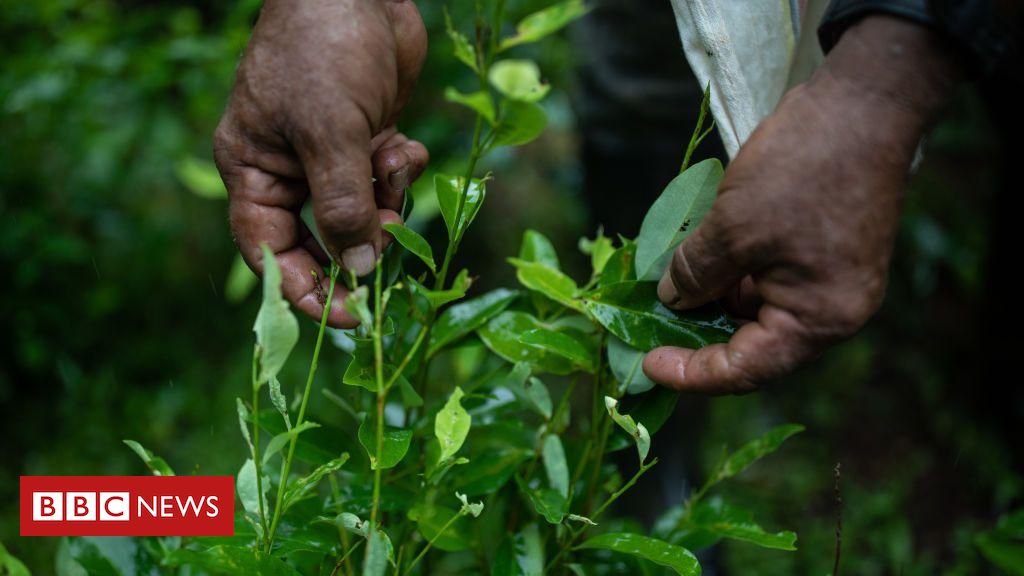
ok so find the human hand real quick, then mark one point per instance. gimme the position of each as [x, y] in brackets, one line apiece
[312, 115]
[799, 238]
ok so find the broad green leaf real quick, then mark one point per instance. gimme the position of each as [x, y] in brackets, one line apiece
[412, 242]
[240, 281]
[501, 335]
[544, 23]
[620, 266]
[396, 444]
[679, 559]
[201, 178]
[713, 519]
[463, 50]
[461, 319]
[632, 312]
[96, 556]
[11, 566]
[361, 372]
[519, 123]
[430, 519]
[675, 213]
[279, 401]
[627, 367]
[1004, 545]
[548, 502]
[637, 430]
[548, 281]
[229, 561]
[537, 248]
[452, 425]
[449, 189]
[488, 472]
[247, 492]
[563, 344]
[281, 440]
[410, 398]
[555, 465]
[529, 551]
[539, 396]
[303, 486]
[276, 328]
[518, 80]
[155, 464]
[357, 303]
[438, 298]
[243, 423]
[754, 450]
[378, 550]
[600, 250]
[479, 101]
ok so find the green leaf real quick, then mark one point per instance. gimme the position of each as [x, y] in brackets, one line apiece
[538, 395]
[412, 242]
[637, 430]
[632, 312]
[555, 465]
[452, 425]
[479, 101]
[548, 502]
[713, 519]
[243, 423]
[361, 372]
[396, 444]
[201, 178]
[679, 559]
[438, 298]
[410, 398]
[600, 250]
[378, 550]
[627, 367]
[563, 344]
[518, 80]
[544, 23]
[537, 248]
[675, 213]
[247, 492]
[501, 336]
[281, 440]
[155, 464]
[529, 551]
[754, 450]
[277, 330]
[489, 471]
[300, 488]
[357, 303]
[449, 189]
[463, 50]
[461, 319]
[520, 122]
[240, 281]
[620, 267]
[279, 401]
[548, 281]
[229, 561]
[1004, 545]
[11, 566]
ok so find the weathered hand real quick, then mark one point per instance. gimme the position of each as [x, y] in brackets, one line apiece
[799, 239]
[312, 114]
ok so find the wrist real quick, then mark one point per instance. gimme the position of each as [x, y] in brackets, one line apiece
[899, 67]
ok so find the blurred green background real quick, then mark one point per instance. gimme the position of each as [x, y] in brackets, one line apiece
[116, 324]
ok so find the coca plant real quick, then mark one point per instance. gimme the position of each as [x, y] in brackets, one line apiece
[475, 433]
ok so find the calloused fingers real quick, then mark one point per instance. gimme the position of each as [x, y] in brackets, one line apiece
[397, 163]
[263, 209]
[758, 352]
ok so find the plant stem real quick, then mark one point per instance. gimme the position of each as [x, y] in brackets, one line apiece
[426, 548]
[286, 467]
[378, 362]
[256, 442]
[344, 558]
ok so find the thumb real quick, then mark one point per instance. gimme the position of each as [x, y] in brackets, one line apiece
[702, 269]
[341, 184]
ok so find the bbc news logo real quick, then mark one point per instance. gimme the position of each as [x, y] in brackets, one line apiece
[127, 506]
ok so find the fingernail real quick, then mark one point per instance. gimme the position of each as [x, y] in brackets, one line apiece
[359, 259]
[667, 292]
[399, 179]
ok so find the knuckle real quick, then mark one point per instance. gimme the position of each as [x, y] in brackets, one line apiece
[345, 215]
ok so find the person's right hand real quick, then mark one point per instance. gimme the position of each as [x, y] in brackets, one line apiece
[312, 115]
